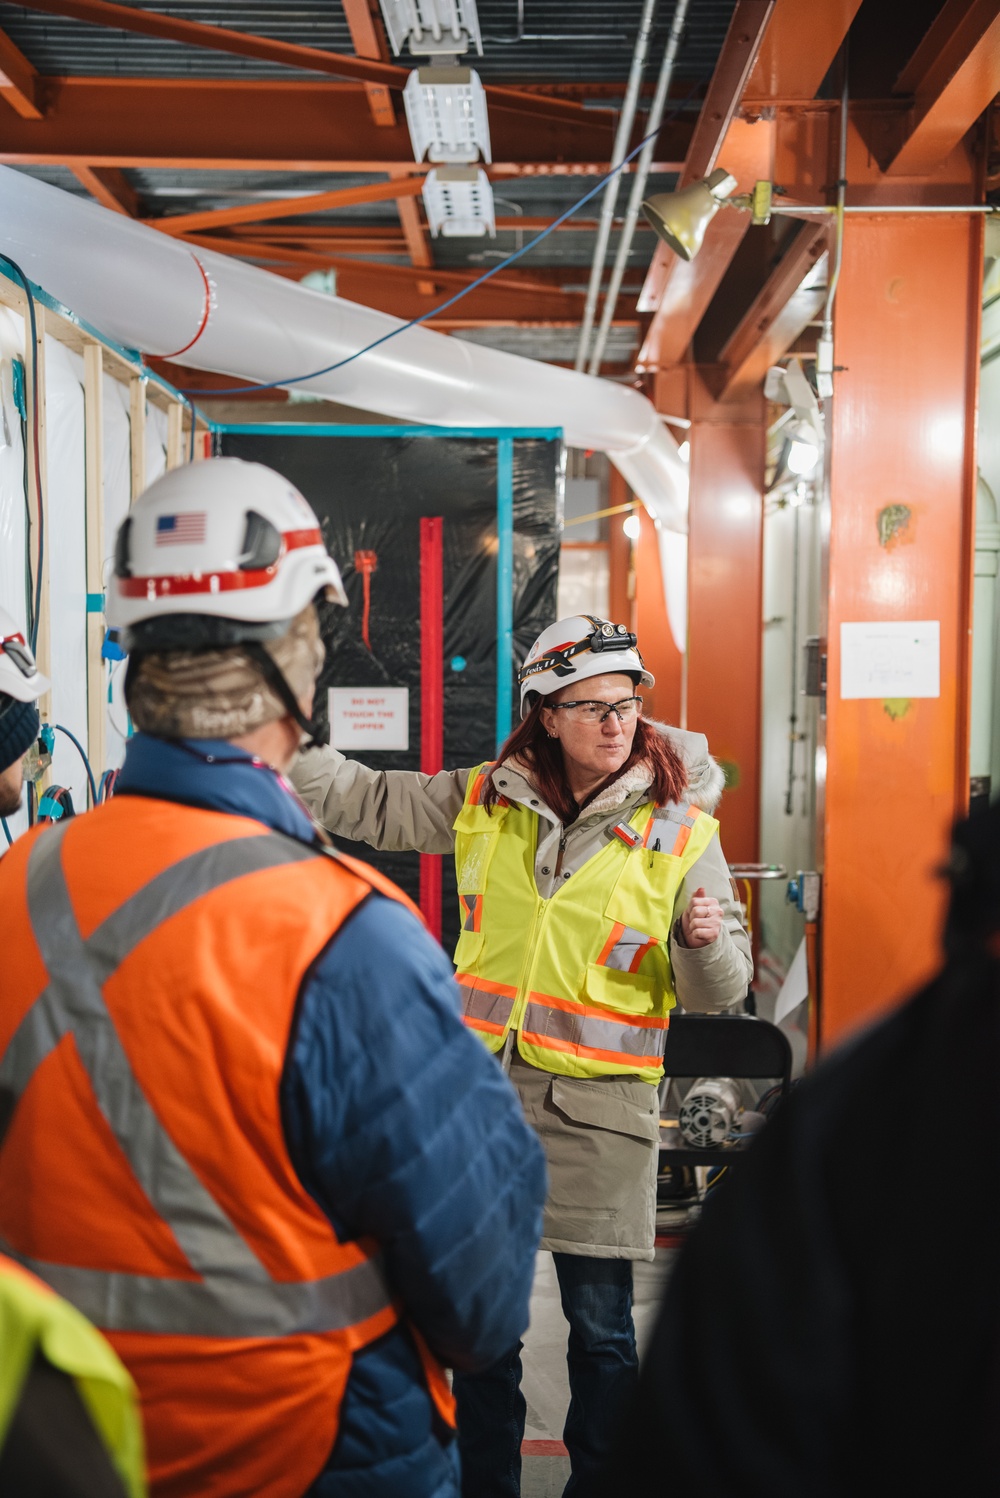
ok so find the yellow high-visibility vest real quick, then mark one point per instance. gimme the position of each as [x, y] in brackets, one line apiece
[583, 978]
[34, 1319]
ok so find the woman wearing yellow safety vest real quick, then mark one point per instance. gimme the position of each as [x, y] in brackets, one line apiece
[593, 894]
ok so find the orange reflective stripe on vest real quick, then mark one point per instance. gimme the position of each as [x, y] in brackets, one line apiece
[569, 1026]
[486, 1006]
[625, 948]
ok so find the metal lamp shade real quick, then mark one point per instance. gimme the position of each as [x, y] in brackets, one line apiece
[681, 218]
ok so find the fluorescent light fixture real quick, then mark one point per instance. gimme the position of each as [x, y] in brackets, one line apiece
[632, 526]
[459, 202]
[432, 27]
[446, 113]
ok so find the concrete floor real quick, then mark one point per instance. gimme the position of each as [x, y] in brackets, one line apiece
[546, 1390]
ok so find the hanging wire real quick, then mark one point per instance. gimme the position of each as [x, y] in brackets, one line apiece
[465, 291]
[86, 762]
[35, 443]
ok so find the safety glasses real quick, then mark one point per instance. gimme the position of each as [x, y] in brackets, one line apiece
[627, 709]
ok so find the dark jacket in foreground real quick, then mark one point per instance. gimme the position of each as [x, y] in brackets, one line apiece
[832, 1328]
[422, 1147]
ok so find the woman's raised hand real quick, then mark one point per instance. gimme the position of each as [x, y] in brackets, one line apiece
[701, 922]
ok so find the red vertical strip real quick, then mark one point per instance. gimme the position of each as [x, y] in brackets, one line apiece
[431, 695]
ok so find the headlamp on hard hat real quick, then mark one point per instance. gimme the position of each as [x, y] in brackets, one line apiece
[605, 637]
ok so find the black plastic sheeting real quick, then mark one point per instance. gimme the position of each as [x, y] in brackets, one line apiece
[370, 494]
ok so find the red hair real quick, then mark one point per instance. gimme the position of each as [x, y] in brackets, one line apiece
[531, 745]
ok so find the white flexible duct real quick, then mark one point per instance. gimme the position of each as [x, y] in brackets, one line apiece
[147, 291]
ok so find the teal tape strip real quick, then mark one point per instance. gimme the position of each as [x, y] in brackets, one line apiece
[505, 586]
[328, 429]
[95, 603]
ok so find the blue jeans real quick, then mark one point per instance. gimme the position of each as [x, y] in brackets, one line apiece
[596, 1297]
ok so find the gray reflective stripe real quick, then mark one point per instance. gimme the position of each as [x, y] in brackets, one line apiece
[472, 902]
[223, 1308]
[626, 948]
[666, 824]
[479, 1003]
[580, 1027]
[233, 1280]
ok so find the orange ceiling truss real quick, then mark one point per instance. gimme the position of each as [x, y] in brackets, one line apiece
[20, 83]
[781, 51]
[290, 54]
[791, 297]
[368, 40]
[281, 208]
[678, 293]
[266, 124]
[110, 186]
[952, 77]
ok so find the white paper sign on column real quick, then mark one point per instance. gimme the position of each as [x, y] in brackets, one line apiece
[370, 717]
[894, 658]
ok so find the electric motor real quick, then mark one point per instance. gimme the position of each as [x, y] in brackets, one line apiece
[709, 1112]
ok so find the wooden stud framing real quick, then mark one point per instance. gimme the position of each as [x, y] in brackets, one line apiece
[137, 423]
[93, 406]
[175, 435]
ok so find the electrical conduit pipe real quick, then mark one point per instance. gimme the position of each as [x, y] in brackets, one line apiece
[147, 291]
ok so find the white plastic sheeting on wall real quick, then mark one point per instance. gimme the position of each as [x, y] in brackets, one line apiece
[12, 509]
[65, 487]
[66, 542]
[117, 435]
[146, 290]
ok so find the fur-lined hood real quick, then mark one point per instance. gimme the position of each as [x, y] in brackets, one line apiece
[705, 779]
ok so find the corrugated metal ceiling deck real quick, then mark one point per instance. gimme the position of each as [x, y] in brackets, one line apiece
[589, 40]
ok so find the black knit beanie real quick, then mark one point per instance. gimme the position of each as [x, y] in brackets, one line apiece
[19, 728]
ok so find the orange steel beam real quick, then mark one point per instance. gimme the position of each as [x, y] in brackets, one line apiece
[800, 45]
[725, 546]
[417, 239]
[534, 281]
[368, 40]
[652, 625]
[778, 313]
[20, 84]
[744, 39]
[262, 124]
[245, 44]
[110, 187]
[380, 236]
[716, 126]
[684, 289]
[484, 307]
[953, 76]
[907, 328]
[793, 56]
[317, 202]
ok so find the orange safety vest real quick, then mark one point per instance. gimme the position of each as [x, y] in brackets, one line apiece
[153, 957]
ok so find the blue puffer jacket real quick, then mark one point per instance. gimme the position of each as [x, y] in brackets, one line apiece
[403, 1129]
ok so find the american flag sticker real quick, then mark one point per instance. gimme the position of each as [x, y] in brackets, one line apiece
[186, 529]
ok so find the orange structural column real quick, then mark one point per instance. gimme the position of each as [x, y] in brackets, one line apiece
[902, 487]
[656, 640]
[724, 601]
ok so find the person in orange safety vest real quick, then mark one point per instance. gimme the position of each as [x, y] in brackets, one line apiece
[242, 1126]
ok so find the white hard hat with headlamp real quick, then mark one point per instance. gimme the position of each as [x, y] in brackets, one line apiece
[573, 649]
[216, 554]
[20, 678]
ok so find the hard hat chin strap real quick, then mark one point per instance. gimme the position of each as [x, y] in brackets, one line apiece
[275, 678]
